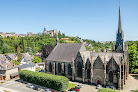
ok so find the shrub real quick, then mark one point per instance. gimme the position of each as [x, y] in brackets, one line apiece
[106, 90]
[136, 71]
[135, 91]
[56, 82]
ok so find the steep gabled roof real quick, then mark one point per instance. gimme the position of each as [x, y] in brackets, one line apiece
[26, 65]
[64, 52]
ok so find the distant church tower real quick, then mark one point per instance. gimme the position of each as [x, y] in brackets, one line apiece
[45, 30]
[119, 47]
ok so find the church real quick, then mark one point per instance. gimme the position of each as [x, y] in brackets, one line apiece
[105, 68]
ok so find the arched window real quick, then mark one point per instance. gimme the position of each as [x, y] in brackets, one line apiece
[110, 76]
[88, 73]
[50, 67]
[69, 70]
[59, 68]
[79, 70]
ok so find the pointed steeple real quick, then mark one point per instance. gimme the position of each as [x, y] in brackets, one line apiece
[120, 35]
[120, 23]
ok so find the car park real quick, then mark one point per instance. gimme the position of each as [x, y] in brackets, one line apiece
[46, 90]
[37, 88]
[98, 86]
[29, 85]
[79, 86]
[76, 89]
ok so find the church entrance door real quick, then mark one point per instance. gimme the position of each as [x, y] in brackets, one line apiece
[98, 82]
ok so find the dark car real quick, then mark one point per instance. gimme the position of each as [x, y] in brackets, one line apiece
[76, 89]
[37, 88]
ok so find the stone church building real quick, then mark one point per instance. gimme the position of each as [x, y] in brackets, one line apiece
[105, 68]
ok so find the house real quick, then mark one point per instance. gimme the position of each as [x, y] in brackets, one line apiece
[38, 54]
[11, 57]
[28, 66]
[41, 66]
[8, 71]
[26, 58]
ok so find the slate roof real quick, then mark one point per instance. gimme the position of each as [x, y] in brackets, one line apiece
[108, 55]
[27, 57]
[26, 65]
[2, 62]
[64, 52]
[12, 55]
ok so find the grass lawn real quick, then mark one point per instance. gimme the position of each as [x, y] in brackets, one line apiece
[71, 86]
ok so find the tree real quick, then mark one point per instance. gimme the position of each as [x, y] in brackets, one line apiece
[15, 62]
[19, 54]
[46, 50]
[5, 48]
[133, 57]
[35, 49]
[37, 60]
[29, 50]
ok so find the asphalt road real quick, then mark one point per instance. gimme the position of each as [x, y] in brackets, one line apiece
[15, 86]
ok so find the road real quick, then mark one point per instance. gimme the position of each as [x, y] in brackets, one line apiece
[15, 86]
[131, 84]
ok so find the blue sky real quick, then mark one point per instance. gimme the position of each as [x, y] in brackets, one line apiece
[91, 19]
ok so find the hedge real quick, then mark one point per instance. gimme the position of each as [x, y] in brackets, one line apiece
[56, 82]
[106, 90]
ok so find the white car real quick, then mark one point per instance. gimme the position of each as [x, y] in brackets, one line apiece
[46, 90]
[79, 86]
[98, 86]
[29, 85]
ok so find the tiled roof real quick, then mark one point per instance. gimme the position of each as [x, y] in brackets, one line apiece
[64, 52]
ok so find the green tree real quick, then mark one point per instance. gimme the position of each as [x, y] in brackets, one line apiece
[133, 57]
[37, 60]
[15, 62]
[36, 49]
[19, 54]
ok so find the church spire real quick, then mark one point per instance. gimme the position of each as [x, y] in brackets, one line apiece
[120, 35]
[120, 23]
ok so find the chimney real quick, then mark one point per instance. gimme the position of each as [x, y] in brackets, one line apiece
[8, 66]
[14, 65]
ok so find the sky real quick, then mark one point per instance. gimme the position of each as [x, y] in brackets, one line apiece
[89, 19]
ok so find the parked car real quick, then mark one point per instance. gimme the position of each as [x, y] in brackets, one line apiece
[37, 88]
[54, 91]
[112, 87]
[76, 89]
[46, 90]
[98, 86]
[71, 90]
[107, 86]
[79, 86]
[29, 85]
